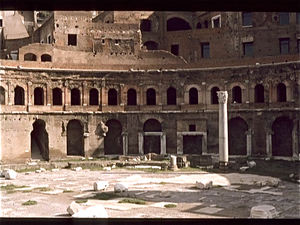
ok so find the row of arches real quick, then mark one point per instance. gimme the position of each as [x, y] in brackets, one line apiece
[112, 95]
[113, 142]
[173, 24]
[33, 57]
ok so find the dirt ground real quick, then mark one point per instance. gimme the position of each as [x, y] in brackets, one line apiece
[233, 195]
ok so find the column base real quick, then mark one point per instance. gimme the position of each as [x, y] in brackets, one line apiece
[223, 165]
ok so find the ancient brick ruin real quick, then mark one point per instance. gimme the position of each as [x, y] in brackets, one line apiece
[152, 78]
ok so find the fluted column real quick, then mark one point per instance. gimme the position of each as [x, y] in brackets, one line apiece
[223, 129]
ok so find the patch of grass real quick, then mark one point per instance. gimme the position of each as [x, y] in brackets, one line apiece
[81, 201]
[10, 192]
[133, 201]
[30, 202]
[27, 191]
[147, 170]
[190, 169]
[105, 196]
[170, 206]
[31, 169]
[95, 168]
[43, 189]
[11, 187]
[68, 191]
[163, 183]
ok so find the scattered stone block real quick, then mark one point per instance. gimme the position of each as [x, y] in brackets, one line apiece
[73, 208]
[100, 185]
[251, 164]
[27, 173]
[263, 211]
[173, 162]
[54, 170]
[77, 169]
[165, 194]
[204, 184]
[83, 158]
[90, 158]
[38, 171]
[272, 183]
[120, 187]
[3, 172]
[42, 169]
[10, 175]
[32, 164]
[244, 168]
[113, 166]
[107, 168]
[97, 211]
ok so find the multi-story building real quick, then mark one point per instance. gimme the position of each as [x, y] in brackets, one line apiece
[152, 78]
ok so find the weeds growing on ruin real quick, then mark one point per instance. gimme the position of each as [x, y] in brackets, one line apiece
[30, 202]
[170, 206]
[11, 187]
[133, 201]
[105, 196]
[81, 201]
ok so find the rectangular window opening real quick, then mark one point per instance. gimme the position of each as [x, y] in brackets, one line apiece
[248, 49]
[72, 39]
[298, 17]
[175, 49]
[1, 23]
[216, 21]
[205, 50]
[298, 45]
[284, 18]
[284, 46]
[49, 39]
[247, 18]
[192, 127]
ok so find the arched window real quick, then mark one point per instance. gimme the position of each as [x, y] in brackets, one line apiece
[19, 96]
[2, 96]
[193, 94]
[151, 45]
[171, 96]
[259, 93]
[214, 95]
[151, 97]
[94, 97]
[175, 24]
[38, 96]
[236, 94]
[29, 57]
[46, 58]
[146, 25]
[57, 96]
[281, 92]
[199, 25]
[112, 97]
[131, 97]
[75, 96]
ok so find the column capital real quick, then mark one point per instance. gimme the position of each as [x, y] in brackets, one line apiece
[222, 96]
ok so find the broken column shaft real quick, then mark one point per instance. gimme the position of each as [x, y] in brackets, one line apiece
[223, 129]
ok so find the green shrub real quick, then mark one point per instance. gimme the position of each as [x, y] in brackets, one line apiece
[30, 202]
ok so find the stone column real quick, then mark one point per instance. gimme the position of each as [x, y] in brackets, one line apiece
[28, 95]
[48, 95]
[163, 145]
[179, 143]
[9, 93]
[223, 129]
[204, 144]
[269, 143]
[249, 141]
[125, 143]
[141, 143]
[295, 140]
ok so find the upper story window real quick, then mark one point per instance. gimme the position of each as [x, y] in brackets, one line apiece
[247, 18]
[146, 25]
[175, 49]
[205, 50]
[248, 48]
[284, 46]
[298, 45]
[216, 21]
[72, 39]
[1, 23]
[298, 18]
[175, 24]
[283, 18]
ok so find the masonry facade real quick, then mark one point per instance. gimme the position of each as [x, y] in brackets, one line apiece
[152, 78]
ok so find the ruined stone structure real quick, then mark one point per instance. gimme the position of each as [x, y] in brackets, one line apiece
[152, 79]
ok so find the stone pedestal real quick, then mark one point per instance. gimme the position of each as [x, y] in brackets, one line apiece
[223, 129]
[173, 162]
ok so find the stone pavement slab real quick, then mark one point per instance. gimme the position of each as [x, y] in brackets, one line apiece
[209, 210]
[162, 204]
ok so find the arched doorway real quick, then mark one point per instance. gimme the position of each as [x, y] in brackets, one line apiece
[151, 45]
[75, 96]
[282, 143]
[236, 94]
[152, 142]
[2, 96]
[57, 96]
[237, 140]
[259, 93]
[171, 96]
[113, 143]
[38, 96]
[281, 92]
[112, 97]
[175, 24]
[39, 141]
[151, 96]
[193, 96]
[19, 96]
[214, 95]
[75, 138]
[131, 97]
